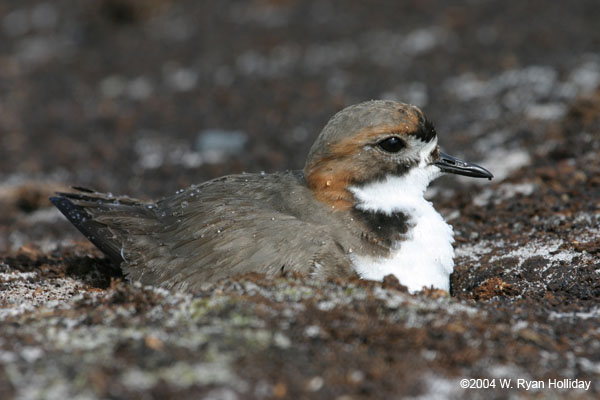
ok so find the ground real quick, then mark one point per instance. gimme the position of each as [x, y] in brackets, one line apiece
[145, 97]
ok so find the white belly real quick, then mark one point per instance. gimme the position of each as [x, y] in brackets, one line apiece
[424, 258]
[425, 255]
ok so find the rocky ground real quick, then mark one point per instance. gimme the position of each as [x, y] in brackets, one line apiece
[145, 97]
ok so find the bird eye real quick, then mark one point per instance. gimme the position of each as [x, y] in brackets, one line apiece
[392, 144]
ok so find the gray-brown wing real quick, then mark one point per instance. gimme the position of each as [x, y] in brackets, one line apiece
[202, 235]
[212, 236]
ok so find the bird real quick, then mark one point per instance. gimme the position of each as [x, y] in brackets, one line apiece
[356, 209]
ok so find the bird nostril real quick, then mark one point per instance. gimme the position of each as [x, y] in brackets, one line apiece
[449, 161]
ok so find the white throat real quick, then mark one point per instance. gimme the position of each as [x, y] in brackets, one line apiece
[425, 255]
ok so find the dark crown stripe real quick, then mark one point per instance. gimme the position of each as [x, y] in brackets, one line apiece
[426, 131]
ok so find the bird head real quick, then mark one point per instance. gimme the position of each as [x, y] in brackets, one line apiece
[374, 141]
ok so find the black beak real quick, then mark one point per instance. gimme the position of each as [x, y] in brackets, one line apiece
[455, 166]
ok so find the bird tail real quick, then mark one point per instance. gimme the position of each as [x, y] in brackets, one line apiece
[107, 221]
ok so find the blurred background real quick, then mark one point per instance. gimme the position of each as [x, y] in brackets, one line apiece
[142, 97]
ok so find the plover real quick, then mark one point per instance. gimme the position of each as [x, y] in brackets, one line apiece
[356, 209]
